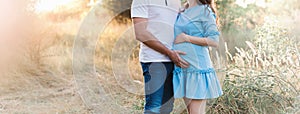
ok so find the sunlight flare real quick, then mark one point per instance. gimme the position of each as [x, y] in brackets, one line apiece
[50, 5]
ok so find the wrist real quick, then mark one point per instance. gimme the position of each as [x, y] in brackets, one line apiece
[188, 38]
[168, 52]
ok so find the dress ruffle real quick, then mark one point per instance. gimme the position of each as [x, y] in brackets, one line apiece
[196, 84]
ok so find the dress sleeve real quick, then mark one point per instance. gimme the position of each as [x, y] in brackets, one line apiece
[210, 27]
[139, 8]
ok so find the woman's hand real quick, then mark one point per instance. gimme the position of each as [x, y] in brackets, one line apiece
[181, 38]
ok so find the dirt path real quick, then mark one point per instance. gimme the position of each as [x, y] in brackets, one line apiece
[59, 100]
[47, 94]
[54, 95]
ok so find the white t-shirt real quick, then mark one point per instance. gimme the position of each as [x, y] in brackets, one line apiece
[161, 17]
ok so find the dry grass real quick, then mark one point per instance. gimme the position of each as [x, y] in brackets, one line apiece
[263, 78]
[40, 79]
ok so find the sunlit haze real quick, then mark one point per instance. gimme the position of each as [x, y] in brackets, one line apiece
[50, 5]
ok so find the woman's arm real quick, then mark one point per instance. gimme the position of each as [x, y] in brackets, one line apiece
[210, 31]
[195, 40]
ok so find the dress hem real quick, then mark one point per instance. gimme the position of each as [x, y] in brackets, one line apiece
[200, 98]
[196, 84]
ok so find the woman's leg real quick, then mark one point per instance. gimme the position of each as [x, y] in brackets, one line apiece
[187, 102]
[195, 106]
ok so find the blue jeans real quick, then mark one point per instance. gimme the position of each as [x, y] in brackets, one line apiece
[158, 87]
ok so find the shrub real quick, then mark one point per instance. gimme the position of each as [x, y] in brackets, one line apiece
[263, 77]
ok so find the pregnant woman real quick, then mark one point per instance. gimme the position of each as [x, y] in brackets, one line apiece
[196, 30]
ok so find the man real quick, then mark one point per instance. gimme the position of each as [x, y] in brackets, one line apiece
[153, 23]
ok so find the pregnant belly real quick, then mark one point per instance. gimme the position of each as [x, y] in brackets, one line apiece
[195, 55]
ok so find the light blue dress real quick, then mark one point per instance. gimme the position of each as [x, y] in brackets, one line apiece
[199, 80]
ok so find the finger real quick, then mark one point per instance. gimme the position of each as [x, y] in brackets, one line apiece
[180, 52]
[182, 66]
[177, 63]
[181, 63]
[184, 63]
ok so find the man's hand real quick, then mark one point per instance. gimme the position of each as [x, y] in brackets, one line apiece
[143, 35]
[174, 56]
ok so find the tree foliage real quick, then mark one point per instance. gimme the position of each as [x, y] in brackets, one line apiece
[121, 8]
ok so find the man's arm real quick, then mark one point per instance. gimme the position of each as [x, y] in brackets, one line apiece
[143, 35]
